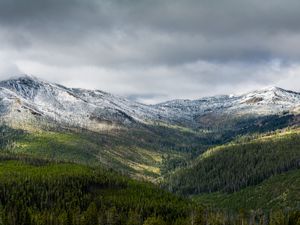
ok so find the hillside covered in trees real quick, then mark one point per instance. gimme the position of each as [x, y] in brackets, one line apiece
[39, 192]
[34, 191]
[280, 191]
[234, 166]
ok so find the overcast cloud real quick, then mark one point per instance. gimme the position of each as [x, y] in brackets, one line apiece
[153, 50]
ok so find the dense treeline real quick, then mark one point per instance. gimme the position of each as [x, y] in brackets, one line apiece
[281, 191]
[233, 167]
[74, 194]
[42, 193]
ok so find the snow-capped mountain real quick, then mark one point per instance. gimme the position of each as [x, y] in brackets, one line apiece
[77, 107]
[30, 97]
[265, 101]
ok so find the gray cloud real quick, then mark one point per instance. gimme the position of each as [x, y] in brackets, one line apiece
[153, 50]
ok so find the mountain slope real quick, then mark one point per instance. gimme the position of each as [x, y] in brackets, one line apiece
[33, 191]
[146, 141]
[277, 192]
[211, 110]
[74, 107]
[232, 167]
[87, 108]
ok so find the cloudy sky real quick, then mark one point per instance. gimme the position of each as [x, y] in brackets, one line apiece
[153, 50]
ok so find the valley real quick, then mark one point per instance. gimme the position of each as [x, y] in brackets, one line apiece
[176, 162]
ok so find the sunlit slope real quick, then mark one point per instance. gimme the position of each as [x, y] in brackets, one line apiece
[141, 153]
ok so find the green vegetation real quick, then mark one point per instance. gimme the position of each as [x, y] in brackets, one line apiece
[231, 167]
[57, 176]
[40, 192]
[278, 192]
[121, 150]
[141, 151]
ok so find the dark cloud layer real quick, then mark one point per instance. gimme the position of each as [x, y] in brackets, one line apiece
[168, 48]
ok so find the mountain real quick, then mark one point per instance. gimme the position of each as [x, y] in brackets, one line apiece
[66, 154]
[146, 141]
[93, 109]
[73, 107]
[269, 101]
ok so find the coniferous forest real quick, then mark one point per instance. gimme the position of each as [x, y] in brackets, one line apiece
[252, 180]
[36, 191]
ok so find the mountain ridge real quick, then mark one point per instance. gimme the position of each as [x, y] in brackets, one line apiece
[26, 86]
[40, 80]
[95, 127]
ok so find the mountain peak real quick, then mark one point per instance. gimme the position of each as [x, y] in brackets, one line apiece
[273, 88]
[274, 96]
[23, 77]
[25, 85]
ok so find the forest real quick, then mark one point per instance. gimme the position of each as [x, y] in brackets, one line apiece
[49, 178]
[234, 166]
[40, 192]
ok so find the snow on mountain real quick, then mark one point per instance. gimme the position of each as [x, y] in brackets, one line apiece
[267, 101]
[94, 108]
[272, 96]
[78, 107]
